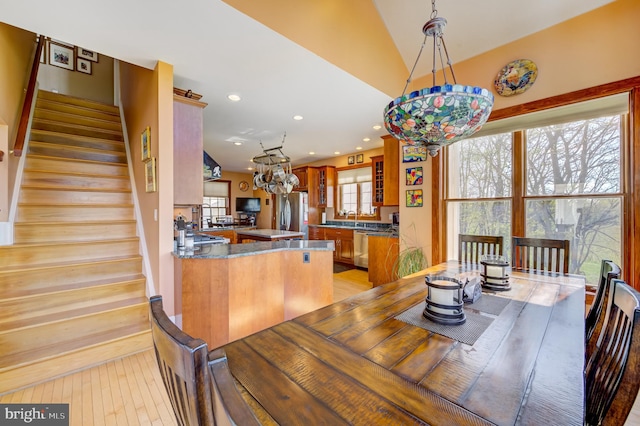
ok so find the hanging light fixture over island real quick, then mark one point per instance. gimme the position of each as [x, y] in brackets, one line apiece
[437, 116]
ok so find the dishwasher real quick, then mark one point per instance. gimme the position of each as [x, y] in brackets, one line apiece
[361, 249]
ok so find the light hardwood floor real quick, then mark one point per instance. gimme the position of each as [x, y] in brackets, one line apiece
[129, 391]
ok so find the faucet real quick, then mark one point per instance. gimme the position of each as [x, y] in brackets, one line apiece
[355, 218]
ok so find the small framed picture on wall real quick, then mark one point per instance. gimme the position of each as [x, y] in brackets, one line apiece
[414, 175]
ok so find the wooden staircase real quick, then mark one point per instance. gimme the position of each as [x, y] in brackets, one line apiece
[72, 293]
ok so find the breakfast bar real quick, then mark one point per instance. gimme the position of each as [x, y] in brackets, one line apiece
[372, 359]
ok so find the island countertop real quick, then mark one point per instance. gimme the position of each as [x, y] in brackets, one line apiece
[267, 235]
[227, 251]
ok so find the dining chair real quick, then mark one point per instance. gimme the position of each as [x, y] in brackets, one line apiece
[612, 374]
[596, 315]
[183, 366]
[540, 255]
[472, 247]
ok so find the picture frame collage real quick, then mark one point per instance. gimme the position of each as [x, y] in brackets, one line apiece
[151, 182]
[69, 57]
[414, 174]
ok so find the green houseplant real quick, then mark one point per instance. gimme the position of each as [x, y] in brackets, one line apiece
[411, 258]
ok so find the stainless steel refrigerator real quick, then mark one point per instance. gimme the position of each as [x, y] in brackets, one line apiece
[292, 212]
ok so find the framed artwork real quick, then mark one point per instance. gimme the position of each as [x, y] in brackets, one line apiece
[414, 198]
[414, 176]
[150, 174]
[351, 159]
[145, 144]
[61, 56]
[82, 65]
[360, 158]
[86, 54]
[412, 153]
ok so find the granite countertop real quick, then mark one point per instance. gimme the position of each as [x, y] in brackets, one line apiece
[270, 232]
[228, 251]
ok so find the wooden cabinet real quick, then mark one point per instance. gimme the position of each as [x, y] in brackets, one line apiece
[383, 255]
[187, 150]
[225, 233]
[390, 170]
[384, 174]
[344, 244]
[326, 182]
[377, 177]
[302, 174]
[316, 233]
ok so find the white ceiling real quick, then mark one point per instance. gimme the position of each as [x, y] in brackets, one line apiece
[216, 51]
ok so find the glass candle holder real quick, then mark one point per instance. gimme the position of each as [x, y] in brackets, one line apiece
[495, 274]
[444, 303]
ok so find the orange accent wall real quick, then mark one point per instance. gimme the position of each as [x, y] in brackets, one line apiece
[348, 33]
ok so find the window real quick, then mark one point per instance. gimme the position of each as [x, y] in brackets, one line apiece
[215, 202]
[355, 191]
[571, 188]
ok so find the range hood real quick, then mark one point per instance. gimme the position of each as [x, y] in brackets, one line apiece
[211, 170]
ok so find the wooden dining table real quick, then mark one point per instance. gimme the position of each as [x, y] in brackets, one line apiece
[357, 361]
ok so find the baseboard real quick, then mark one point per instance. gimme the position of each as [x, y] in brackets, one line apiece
[6, 233]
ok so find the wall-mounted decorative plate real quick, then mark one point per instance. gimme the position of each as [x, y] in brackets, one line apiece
[516, 77]
[243, 185]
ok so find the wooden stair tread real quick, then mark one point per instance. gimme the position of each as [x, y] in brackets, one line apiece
[73, 242]
[64, 115]
[27, 293]
[74, 100]
[75, 174]
[82, 223]
[84, 205]
[67, 264]
[55, 105]
[20, 359]
[74, 148]
[38, 321]
[73, 188]
[75, 160]
[47, 122]
[37, 134]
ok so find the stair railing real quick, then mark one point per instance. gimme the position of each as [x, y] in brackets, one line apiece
[28, 100]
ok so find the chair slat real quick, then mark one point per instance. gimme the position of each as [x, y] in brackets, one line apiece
[472, 247]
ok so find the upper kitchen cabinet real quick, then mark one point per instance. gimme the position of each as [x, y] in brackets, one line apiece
[303, 176]
[390, 169]
[187, 150]
[377, 171]
[326, 183]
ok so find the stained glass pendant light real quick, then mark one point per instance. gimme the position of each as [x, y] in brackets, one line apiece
[437, 116]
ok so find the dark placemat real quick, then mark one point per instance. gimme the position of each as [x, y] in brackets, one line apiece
[468, 332]
[489, 304]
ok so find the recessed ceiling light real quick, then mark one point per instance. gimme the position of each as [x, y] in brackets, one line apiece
[298, 117]
[237, 143]
[312, 153]
[337, 153]
[358, 148]
[377, 127]
[366, 140]
[234, 98]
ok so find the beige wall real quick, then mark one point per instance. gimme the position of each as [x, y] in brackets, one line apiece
[147, 100]
[595, 48]
[18, 48]
[97, 86]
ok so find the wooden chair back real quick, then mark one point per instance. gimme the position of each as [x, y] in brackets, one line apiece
[612, 374]
[596, 315]
[183, 366]
[472, 247]
[540, 255]
[229, 406]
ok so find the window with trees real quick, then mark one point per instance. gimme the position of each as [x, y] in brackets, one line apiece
[355, 191]
[215, 202]
[571, 184]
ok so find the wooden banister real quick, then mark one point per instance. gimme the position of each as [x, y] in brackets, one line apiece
[28, 100]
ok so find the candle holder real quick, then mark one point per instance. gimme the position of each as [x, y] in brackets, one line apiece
[494, 272]
[444, 300]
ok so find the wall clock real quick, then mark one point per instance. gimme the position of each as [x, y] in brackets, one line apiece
[243, 185]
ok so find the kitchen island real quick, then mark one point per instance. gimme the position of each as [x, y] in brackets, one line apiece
[267, 235]
[227, 291]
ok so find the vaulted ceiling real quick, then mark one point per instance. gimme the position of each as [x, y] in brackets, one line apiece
[282, 58]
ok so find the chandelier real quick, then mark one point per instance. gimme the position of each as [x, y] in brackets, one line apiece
[437, 116]
[273, 171]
